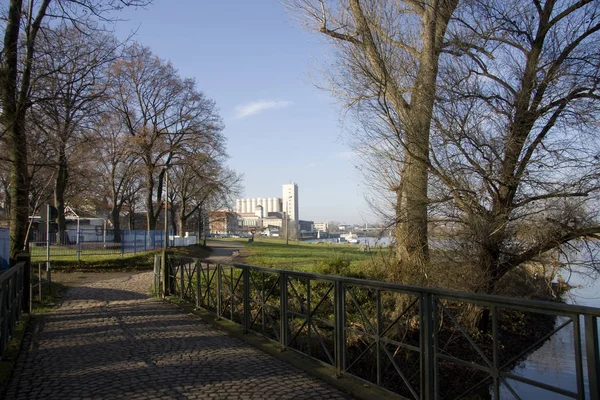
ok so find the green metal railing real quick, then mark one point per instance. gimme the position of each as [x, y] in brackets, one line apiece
[11, 302]
[15, 299]
[417, 342]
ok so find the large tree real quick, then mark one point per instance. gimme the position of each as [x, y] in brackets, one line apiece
[21, 27]
[14, 87]
[116, 166]
[517, 152]
[388, 57]
[68, 95]
[165, 115]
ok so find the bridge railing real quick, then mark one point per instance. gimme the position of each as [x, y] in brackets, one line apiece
[416, 342]
[19, 285]
[11, 302]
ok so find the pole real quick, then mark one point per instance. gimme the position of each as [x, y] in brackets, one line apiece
[47, 235]
[165, 239]
[166, 243]
[287, 228]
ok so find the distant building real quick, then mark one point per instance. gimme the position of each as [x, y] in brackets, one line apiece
[249, 206]
[290, 201]
[306, 226]
[321, 226]
[268, 212]
[222, 222]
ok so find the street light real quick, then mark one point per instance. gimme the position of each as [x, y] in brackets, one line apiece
[166, 284]
[166, 230]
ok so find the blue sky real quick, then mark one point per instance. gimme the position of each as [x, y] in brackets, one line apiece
[255, 62]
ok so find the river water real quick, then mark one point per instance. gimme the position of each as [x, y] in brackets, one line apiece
[554, 362]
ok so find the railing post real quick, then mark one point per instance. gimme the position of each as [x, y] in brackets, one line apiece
[27, 293]
[157, 273]
[165, 267]
[39, 282]
[219, 290]
[198, 276]
[339, 298]
[246, 272]
[428, 386]
[379, 330]
[593, 357]
[495, 354]
[283, 303]
[49, 277]
[181, 281]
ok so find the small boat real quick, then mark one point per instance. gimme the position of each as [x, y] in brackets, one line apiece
[351, 238]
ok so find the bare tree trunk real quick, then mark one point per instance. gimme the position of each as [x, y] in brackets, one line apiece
[13, 119]
[62, 180]
[115, 213]
[174, 221]
[180, 222]
[150, 217]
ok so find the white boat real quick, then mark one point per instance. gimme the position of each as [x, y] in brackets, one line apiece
[351, 238]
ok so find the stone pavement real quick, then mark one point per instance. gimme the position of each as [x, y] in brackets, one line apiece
[109, 340]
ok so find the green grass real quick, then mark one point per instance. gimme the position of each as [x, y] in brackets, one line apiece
[309, 257]
[116, 262]
[107, 262]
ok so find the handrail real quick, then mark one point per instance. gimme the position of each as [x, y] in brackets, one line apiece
[343, 322]
[480, 298]
[11, 302]
[14, 299]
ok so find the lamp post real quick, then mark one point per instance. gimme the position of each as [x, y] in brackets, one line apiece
[286, 216]
[166, 283]
[166, 228]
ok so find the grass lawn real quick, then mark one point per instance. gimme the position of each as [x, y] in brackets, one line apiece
[302, 256]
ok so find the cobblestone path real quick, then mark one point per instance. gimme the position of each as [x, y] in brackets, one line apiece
[109, 340]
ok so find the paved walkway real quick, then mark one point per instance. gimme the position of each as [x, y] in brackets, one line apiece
[109, 340]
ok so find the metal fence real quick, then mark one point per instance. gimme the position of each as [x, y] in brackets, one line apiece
[82, 242]
[11, 302]
[14, 300]
[413, 341]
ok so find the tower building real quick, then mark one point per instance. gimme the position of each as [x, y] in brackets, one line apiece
[290, 201]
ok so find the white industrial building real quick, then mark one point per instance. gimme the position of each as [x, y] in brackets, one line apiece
[249, 206]
[268, 212]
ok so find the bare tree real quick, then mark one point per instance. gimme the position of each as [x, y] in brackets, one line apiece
[167, 118]
[200, 181]
[388, 56]
[517, 152]
[21, 28]
[115, 165]
[68, 96]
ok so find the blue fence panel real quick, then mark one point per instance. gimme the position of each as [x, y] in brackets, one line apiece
[4, 248]
[137, 241]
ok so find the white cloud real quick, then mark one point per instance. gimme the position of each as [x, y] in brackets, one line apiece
[256, 107]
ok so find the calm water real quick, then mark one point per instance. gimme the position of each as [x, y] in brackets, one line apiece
[554, 362]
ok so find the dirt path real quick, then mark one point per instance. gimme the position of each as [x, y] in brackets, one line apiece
[225, 251]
